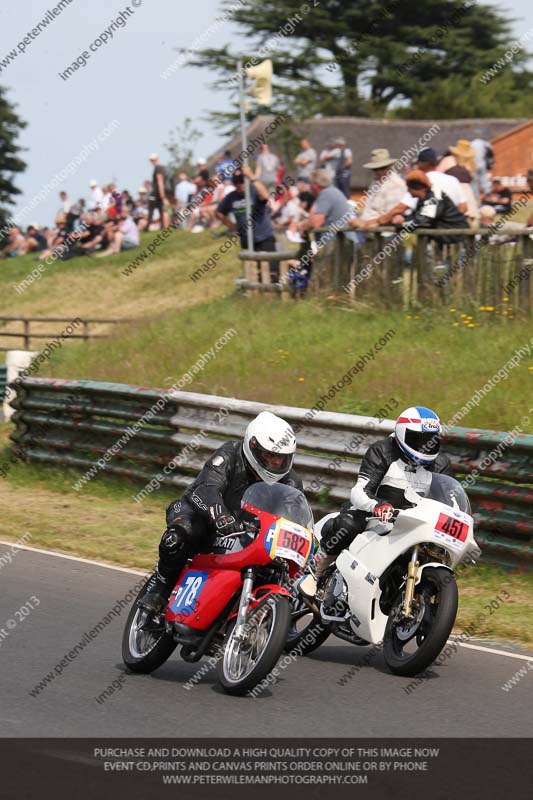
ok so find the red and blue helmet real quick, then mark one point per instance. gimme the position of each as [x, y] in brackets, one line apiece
[418, 431]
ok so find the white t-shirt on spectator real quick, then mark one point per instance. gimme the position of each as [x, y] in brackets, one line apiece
[130, 230]
[184, 190]
[446, 183]
[291, 212]
[97, 197]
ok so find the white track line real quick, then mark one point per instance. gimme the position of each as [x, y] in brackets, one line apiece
[492, 650]
[137, 572]
[72, 558]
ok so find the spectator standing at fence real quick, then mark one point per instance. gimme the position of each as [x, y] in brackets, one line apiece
[342, 165]
[306, 159]
[426, 163]
[484, 157]
[97, 196]
[305, 195]
[433, 208]
[500, 197]
[232, 212]
[464, 168]
[267, 167]
[327, 156]
[157, 195]
[331, 208]
[385, 192]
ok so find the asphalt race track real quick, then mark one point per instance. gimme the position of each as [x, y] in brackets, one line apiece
[463, 698]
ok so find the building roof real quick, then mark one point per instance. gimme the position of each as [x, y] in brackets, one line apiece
[513, 131]
[364, 135]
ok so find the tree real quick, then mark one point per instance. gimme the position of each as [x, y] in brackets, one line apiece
[10, 162]
[180, 147]
[363, 58]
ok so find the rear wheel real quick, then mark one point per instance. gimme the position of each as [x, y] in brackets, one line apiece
[249, 658]
[411, 645]
[145, 643]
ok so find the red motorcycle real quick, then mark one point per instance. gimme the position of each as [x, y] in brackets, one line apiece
[233, 603]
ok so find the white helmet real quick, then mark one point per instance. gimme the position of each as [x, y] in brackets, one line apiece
[269, 446]
[418, 431]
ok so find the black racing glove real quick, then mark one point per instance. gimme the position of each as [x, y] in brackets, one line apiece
[224, 522]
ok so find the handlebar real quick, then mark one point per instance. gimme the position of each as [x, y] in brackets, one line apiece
[393, 519]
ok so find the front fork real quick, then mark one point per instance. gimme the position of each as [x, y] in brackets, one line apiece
[244, 603]
[412, 575]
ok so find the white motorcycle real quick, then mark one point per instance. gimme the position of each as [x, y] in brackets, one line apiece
[394, 586]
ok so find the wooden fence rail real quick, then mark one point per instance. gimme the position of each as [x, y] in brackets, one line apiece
[27, 335]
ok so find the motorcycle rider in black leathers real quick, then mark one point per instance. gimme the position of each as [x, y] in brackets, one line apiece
[406, 459]
[207, 511]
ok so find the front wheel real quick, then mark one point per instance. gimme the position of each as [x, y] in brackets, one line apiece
[249, 658]
[145, 643]
[411, 645]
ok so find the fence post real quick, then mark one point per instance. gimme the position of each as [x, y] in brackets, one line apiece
[26, 334]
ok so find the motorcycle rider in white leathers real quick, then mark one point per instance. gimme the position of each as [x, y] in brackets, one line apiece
[406, 459]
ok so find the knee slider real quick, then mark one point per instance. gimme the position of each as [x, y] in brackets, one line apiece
[175, 537]
[345, 525]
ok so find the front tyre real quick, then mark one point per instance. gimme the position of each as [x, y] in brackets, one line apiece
[410, 646]
[145, 643]
[247, 660]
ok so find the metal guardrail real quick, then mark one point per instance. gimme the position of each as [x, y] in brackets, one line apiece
[27, 335]
[74, 423]
[416, 271]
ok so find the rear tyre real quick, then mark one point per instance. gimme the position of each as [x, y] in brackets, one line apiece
[409, 648]
[248, 660]
[145, 643]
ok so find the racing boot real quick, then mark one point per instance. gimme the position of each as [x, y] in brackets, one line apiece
[308, 586]
[172, 559]
[156, 597]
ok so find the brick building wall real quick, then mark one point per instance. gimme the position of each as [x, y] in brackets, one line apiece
[513, 156]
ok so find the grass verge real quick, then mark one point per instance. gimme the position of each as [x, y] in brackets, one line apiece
[292, 353]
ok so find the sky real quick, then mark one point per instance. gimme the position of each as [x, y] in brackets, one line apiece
[104, 119]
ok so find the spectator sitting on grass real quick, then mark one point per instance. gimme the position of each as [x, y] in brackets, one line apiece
[122, 236]
[184, 191]
[203, 211]
[35, 240]
[127, 200]
[93, 235]
[16, 244]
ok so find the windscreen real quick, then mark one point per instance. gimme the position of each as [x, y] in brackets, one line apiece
[447, 490]
[280, 500]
